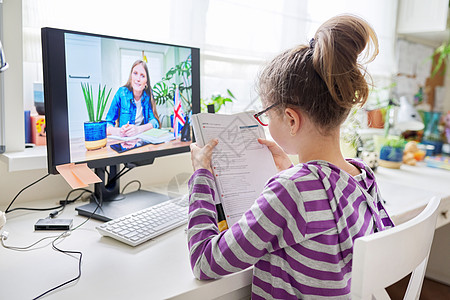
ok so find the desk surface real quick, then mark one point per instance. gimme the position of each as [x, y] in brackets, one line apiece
[79, 153]
[158, 269]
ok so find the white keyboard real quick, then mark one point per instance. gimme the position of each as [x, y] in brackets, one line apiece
[143, 225]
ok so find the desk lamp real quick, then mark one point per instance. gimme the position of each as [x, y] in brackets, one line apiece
[407, 117]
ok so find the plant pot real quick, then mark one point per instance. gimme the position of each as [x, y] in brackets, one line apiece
[391, 157]
[95, 135]
[375, 118]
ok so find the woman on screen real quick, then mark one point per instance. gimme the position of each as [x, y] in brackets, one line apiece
[133, 105]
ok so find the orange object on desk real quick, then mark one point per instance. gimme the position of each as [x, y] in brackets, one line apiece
[38, 132]
[419, 155]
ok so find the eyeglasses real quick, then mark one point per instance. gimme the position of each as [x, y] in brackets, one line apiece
[262, 117]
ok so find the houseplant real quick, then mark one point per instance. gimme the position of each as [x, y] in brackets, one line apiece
[95, 128]
[217, 100]
[391, 152]
[179, 76]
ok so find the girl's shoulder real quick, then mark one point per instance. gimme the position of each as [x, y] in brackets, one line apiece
[298, 178]
[322, 170]
[300, 170]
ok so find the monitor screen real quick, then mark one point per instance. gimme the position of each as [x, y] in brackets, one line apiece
[112, 101]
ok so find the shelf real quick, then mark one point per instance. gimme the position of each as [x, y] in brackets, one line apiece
[432, 39]
[30, 159]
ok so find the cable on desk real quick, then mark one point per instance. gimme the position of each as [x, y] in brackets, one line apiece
[133, 181]
[68, 252]
[61, 207]
[31, 184]
[66, 201]
[4, 234]
[25, 248]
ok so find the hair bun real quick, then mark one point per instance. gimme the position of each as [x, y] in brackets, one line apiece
[338, 44]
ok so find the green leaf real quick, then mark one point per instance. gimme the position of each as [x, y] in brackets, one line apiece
[231, 94]
[104, 103]
[98, 103]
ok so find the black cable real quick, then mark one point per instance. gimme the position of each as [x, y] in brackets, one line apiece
[118, 174]
[14, 199]
[64, 234]
[70, 252]
[133, 181]
[67, 201]
[128, 166]
[61, 207]
[34, 209]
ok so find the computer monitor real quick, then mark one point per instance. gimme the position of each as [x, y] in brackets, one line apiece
[153, 90]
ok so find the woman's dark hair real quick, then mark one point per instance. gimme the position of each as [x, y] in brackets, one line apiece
[147, 89]
[324, 78]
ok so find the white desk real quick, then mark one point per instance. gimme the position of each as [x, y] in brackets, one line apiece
[159, 269]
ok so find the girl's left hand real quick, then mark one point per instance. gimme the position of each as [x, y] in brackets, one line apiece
[201, 157]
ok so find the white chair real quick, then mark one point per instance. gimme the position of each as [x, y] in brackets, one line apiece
[383, 258]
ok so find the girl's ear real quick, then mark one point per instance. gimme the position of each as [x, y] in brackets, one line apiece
[294, 119]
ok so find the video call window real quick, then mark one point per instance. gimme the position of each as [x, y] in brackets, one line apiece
[146, 91]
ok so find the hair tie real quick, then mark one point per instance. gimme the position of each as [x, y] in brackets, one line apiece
[311, 43]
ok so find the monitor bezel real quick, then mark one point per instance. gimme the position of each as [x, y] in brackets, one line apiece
[56, 112]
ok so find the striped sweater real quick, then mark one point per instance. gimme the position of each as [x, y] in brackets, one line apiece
[298, 234]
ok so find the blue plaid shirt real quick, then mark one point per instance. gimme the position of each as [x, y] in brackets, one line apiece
[123, 105]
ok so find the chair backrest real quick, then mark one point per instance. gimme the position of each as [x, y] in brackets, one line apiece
[383, 258]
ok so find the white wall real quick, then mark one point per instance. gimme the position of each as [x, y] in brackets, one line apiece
[13, 77]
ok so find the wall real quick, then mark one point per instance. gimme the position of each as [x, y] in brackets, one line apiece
[13, 77]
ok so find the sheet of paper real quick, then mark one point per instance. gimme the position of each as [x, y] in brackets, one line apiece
[77, 176]
[122, 138]
[152, 135]
[241, 166]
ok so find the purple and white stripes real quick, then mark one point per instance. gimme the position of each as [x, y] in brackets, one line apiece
[298, 234]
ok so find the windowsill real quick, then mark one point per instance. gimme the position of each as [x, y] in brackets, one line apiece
[30, 159]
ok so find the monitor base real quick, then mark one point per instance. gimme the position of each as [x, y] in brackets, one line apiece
[123, 205]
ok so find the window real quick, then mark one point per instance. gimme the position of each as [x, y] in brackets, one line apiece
[236, 37]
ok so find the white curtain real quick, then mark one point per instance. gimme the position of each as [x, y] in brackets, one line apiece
[236, 37]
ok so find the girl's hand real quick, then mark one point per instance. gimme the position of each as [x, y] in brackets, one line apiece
[201, 157]
[129, 130]
[280, 157]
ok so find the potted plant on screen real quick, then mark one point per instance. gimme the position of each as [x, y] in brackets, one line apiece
[177, 77]
[95, 128]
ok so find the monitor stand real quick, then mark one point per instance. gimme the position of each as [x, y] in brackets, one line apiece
[113, 204]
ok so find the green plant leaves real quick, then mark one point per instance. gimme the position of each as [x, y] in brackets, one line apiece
[102, 100]
[218, 100]
[164, 90]
[443, 51]
[394, 142]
